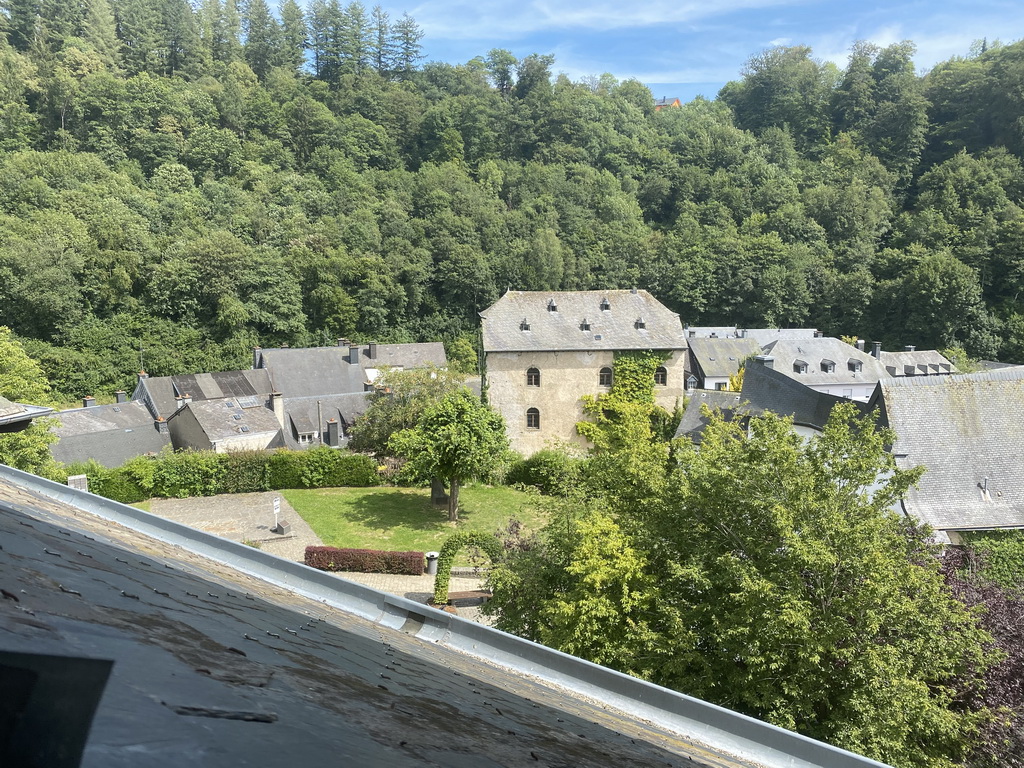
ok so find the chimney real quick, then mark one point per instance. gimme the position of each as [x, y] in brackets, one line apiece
[256, 354]
[909, 348]
[860, 344]
[88, 401]
[353, 354]
[633, 290]
[186, 399]
[120, 396]
[161, 426]
[373, 350]
[143, 375]
[819, 334]
[876, 349]
[692, 334]
[178, 403]
[332, 433]
[766, 360]
[277, 406]
[343, 342]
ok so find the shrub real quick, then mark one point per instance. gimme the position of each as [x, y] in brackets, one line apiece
[284, 470]
[551, 471]
[324, 467]
[246, 472]
[489, 543]
[365, 560]
[189, 473]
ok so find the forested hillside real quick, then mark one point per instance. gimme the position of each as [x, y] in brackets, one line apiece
[180, 184]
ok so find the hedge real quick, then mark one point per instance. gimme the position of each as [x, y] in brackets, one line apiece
[446, 557]
[365, 560]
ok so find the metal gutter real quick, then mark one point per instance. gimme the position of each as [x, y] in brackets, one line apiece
[721, 729]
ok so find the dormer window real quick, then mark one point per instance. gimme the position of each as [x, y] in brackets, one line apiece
[640, 323]
[585, 325]
[552, 305]
[827, 366]
[605, 306]
[525, 325]
[799, 366]
[855, 365]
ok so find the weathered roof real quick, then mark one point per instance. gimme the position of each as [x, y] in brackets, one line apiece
[227, 656]
[693, 422]
[108, 434]
[813, 351]
[761, 335]
[313, 371]
[925, 362]
[768, 390]
[721, 357]
[228, 417]
[404, 355]
[303, 412]
[160, 391]
[965, 430]
[631, 320]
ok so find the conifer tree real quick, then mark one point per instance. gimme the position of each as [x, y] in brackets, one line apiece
[294, 36]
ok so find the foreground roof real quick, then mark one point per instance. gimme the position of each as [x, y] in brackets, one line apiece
[765, 389]
[17, 416]
[550, 321]
[966, 431]
[227, 656]
[108, 434]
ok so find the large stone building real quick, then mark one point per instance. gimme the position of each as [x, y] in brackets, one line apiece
[545, 350]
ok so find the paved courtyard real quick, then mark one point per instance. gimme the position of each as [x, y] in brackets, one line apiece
[250, 516]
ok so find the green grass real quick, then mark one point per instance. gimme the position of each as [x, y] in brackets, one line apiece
[403, 519]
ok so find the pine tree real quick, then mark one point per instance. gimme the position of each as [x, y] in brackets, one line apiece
[294, 36]
[100, 30]
[355, 39]
[382, 44]
[21, 22]
[262, 37]
[407, 35]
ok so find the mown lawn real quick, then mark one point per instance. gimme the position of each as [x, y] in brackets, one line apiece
[403, 519]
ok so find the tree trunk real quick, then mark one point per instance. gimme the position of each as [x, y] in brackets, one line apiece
[453, 501]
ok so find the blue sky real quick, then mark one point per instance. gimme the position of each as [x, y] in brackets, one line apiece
[684, 48]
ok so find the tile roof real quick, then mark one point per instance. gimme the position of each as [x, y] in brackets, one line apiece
[109, 434]
[721, 357]
[813, 351]
[629, 320]
[965, 430]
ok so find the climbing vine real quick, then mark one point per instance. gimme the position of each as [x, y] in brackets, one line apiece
[633, 375]
[630, 404]
[488, 543]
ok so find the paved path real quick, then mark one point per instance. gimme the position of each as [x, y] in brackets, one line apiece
[250, 516]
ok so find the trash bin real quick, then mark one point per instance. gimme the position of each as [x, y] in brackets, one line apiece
[432, 563]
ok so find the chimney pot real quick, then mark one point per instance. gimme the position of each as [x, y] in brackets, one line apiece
[143, 375]
[88, 401]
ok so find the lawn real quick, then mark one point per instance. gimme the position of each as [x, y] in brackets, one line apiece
[403, 519]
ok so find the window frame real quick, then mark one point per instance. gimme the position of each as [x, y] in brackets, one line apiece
[605, 377]
[661, 376]
[533, 376]
[533, 418]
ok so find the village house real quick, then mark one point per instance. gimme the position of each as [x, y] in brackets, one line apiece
[544, 350]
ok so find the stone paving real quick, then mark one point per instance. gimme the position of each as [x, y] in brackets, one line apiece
[250, 516]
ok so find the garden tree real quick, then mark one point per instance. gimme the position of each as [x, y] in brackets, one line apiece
[397, 402]
[22, 381]
[770, 576]
[455, 439]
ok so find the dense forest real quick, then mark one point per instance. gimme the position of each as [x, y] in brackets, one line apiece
[179, 184]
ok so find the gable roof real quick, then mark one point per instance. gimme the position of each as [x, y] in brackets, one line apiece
[302, 414]
[925, 362]
[768, 390]
[617, 327]
[813, 351]
[159, 392]
[966, 430]
[108, 434]
[692, 423]
[721, 357]
[228, 417]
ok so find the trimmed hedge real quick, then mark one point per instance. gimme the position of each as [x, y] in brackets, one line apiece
[446, 557]
[365, 560]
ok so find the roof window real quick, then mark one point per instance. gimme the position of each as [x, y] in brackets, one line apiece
[525, 325]
[605, 306]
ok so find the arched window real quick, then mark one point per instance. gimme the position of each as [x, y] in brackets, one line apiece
[605, 377]
[533, 377]
[532, 418]
[661, 376]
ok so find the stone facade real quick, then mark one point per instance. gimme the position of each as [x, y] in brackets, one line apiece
[565, 376]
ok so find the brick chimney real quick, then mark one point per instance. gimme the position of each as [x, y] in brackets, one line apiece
[161, 426]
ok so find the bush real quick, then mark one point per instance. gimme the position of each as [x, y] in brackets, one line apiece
[553, 472]
[284, 470]
[189, 473]
[365, 560]
[246, 472]
[326, 468]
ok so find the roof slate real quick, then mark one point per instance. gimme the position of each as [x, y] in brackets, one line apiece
[963, 429]
[788, 351]
[925, 362]
[615, 328]
[217, 418]
[765, 389]
[108, 434]
[721, 357]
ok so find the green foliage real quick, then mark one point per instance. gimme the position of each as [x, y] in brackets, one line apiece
[456, 438]
[553, 472]
[180, 474]
[324, 467]
[1002, 555]
[245, 472]
[284, 470]
[768, 575]
[22, 381]
[446, 557]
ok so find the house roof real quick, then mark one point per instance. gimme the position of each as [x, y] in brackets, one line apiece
[224, 655]
[814, 351]
[964, 430]
[761, 335]
[108, 434]
[925, 362]
[693, 421]
[17, 416]
[159, 392]
[229, 417]
[302, 413]
[630, 320]
[721, 357]
[768, 390]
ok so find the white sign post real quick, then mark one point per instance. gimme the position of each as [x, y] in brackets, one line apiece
[277, 510]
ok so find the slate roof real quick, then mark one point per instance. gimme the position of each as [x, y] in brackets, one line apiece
[226, 417]
[765, 389]
[925, 362]
[693, 422]
[159, 392]
[813, 351]
[616, 328]
[302, 414]
[17, 416]
[721, 357]
[109, 434]
[963, 429]
[761, 335]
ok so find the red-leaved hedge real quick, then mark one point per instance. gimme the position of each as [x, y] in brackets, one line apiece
[365, 560]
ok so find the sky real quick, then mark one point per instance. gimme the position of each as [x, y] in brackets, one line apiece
[683, 48]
